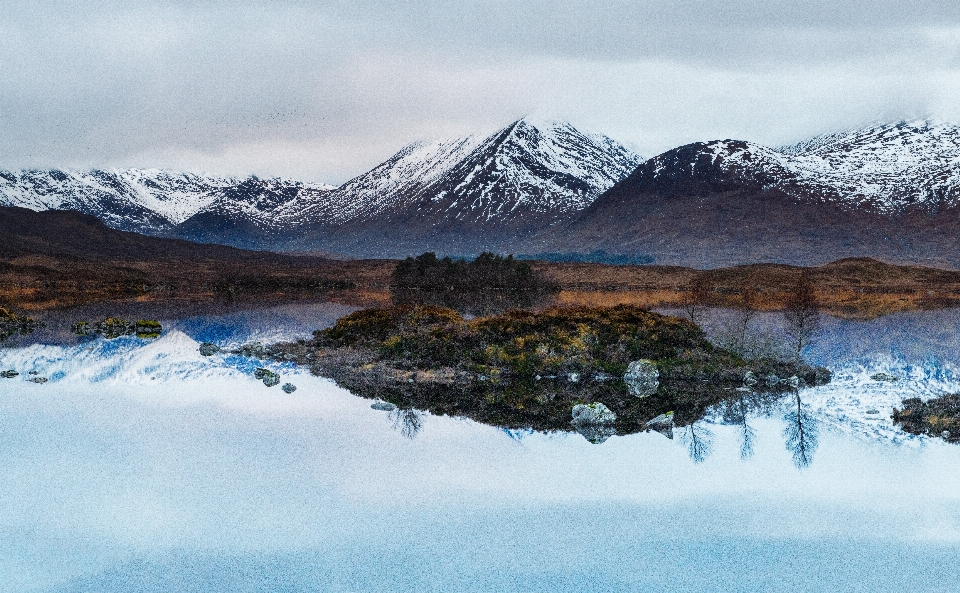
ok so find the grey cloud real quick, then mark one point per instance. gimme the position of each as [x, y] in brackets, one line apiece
[323, 90]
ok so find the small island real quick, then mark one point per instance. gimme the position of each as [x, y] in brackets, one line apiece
[531, 369]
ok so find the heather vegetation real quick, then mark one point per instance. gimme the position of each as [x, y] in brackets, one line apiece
[939, 416]
[520, 343]
[12, 324]
[488, 284]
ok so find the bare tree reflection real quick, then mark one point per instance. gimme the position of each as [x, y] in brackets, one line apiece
[800, 433]
[735, 413]
[409, 422]
[699, 442]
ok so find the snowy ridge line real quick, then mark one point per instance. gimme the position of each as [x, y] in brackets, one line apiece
[125, 198]
[884, 168]
[541, 172]
[547, 167]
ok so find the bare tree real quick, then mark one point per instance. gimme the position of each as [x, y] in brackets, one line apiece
[801, 434]
[747, 310]
[801, 314]
[696, 298]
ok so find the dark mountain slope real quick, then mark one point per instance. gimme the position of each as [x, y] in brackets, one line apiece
[68, 234]
[731, 202]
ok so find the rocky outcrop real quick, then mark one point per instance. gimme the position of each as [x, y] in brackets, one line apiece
[268, 377]
[594, 413]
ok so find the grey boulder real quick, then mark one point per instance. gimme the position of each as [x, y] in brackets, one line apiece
[208, 349]
[642, 378]
[595, 413]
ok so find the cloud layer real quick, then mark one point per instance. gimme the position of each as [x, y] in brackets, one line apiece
[323, 91]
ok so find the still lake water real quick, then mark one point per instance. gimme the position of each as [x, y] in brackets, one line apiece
[143, 466]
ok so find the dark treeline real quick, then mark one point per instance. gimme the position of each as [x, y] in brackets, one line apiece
[257, 284]
[489, 284]
[594, 257]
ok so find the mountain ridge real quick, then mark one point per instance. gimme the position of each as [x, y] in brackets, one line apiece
[886, 190]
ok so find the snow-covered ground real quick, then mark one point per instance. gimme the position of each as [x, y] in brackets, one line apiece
[855, 403]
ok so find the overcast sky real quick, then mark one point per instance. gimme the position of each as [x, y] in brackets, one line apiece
[323, 91]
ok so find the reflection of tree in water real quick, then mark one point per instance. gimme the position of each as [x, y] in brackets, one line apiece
[735, 413]
[800, 433]
[409, 421]
[699, 441]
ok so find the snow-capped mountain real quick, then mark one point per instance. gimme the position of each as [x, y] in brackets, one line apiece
[145, 200]
[151, 201]
[889, 191]
[469, 194]
[549, 168]
[254, 213]
[885, 169]
[888, 168]
[480, 189]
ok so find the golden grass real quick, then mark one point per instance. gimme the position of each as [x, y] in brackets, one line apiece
[854, 289]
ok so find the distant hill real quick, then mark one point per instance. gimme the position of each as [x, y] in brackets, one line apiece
[69, 234]
[61, 258]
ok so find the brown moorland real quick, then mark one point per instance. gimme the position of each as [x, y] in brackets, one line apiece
[58, 259]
